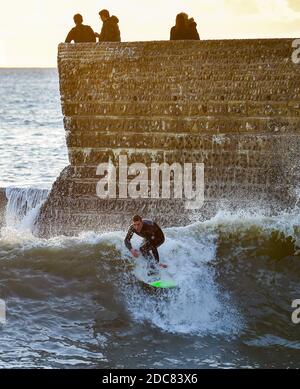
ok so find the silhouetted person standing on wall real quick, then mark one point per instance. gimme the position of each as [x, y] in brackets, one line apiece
[184, 29]
[110, 31]
[192, 33]
[80, 33]
[179, 31]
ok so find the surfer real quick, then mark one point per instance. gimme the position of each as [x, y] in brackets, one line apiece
[153, 238]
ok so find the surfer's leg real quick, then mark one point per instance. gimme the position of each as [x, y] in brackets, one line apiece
[145, 250]
[151, 258]
[155, 253]
[154, 245]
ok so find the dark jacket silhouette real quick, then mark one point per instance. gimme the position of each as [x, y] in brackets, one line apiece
[179, 31]
[192, 32]
[81, 33]
[184, 29]
[110, 31]
[177, 34]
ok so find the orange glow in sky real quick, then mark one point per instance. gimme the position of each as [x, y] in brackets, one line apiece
[31, 29]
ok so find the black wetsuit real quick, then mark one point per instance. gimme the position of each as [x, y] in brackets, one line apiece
[153, 238]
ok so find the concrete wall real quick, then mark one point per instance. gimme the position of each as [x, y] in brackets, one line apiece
[233, 105]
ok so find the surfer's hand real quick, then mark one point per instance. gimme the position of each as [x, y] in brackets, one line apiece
[134, 252]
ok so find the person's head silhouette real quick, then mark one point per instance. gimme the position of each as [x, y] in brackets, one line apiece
[104, 15]
[181, 19]
[78, 19]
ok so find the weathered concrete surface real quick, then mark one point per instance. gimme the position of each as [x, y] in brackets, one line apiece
[3, 202]
[234, 105]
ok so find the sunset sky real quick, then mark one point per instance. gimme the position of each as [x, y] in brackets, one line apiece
[31, 29]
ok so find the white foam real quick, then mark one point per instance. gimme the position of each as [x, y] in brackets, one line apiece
[197, 305]
[23, 206]
[2, 312]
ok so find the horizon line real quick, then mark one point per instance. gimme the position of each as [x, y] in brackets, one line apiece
[28, 67]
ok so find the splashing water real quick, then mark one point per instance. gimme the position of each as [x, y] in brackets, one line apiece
[23, 206]
[197, 305]
[236, 274]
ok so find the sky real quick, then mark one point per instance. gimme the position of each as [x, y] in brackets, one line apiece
[30, 30]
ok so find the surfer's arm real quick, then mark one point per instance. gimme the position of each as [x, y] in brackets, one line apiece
[128, 238]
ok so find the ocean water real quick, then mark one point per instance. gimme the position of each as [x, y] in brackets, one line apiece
[32, 141]
[75, 302]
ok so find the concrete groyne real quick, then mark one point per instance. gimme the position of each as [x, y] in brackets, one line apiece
[233, 105]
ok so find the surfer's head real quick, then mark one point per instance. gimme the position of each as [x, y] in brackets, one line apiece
[137, 222]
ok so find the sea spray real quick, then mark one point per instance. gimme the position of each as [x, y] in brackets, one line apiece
[234, 297]
[23, 206]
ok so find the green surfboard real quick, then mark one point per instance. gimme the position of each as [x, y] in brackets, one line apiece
[155, 281]
[163, 284]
